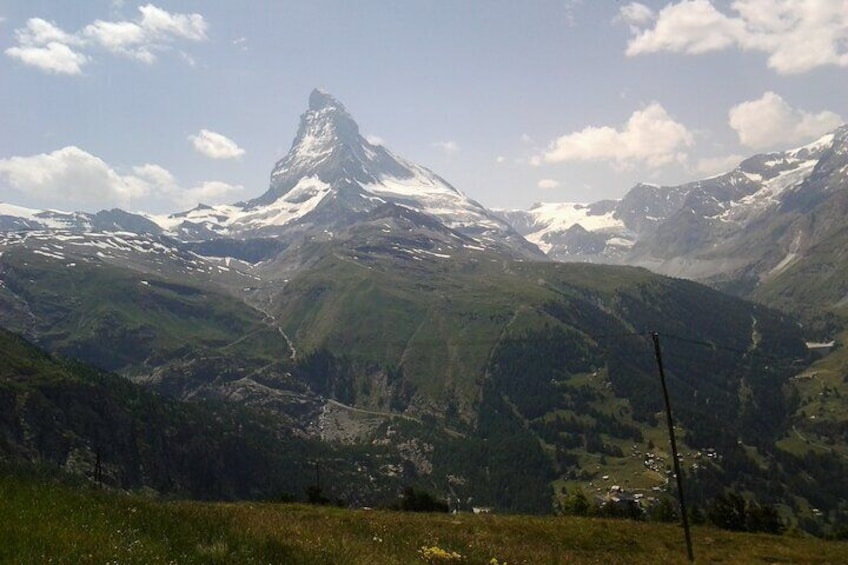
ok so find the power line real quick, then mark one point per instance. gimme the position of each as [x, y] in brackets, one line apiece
[711, 345]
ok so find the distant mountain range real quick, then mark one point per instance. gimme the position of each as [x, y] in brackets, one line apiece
[745, 230]
[363, 301]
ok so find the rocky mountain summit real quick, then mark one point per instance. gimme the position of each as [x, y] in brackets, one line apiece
[331, 179]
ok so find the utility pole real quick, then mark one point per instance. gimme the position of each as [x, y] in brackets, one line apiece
[677, 473]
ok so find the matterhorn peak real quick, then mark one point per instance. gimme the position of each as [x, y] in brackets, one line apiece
[328, 146]
[332, 175]
[320, 99]
[325, 127]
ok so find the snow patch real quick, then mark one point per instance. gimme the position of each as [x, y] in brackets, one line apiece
[48, 254]
[818, 145]
[18, 211]
[560, 216]
[226, 219]
[620, 242]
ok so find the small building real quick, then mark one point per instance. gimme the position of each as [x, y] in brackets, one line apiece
[820, 349]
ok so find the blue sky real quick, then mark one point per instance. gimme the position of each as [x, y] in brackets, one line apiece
[158, 106]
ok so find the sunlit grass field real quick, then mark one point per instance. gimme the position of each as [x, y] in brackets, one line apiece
[50, 523]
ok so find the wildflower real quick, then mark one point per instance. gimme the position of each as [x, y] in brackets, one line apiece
[436, 554]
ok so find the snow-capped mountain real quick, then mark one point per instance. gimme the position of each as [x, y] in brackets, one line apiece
[17, 218]
[750, 223]
[737, 230]
[569, 230]
[333, 177]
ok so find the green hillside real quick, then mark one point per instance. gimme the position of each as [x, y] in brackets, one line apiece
[510, 383]
[41, 523]
[122, 320]
[816, 286]
[65, 416]
[440, 321]
[546, 375]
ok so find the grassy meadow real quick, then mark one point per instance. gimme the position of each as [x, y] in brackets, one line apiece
[50, 523]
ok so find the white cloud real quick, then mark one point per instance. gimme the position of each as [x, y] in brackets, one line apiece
[41, 32]
[635, 15]
[73, 178]
[547, 184]
[771, 122]
[69, 176]
[374, 139]
[500, 159]
[691, 26]
[710, 166]
[448, 146]
[152, 32]
[155, 175]
[44, 45]
[53, 57]
[207, 192]
[796, 35]
[124, 38]
[650, 136]
[215, 146]
[163, 25]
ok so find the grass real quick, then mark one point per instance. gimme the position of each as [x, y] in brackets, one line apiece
[44, 523]
[823, 405]
[120, 320]
[434, 318]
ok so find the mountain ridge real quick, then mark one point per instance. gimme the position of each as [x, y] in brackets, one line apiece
[736, 230]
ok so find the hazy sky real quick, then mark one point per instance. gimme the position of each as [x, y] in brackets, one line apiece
[159, 106]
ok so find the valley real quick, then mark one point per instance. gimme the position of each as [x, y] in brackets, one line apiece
[365, 318]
